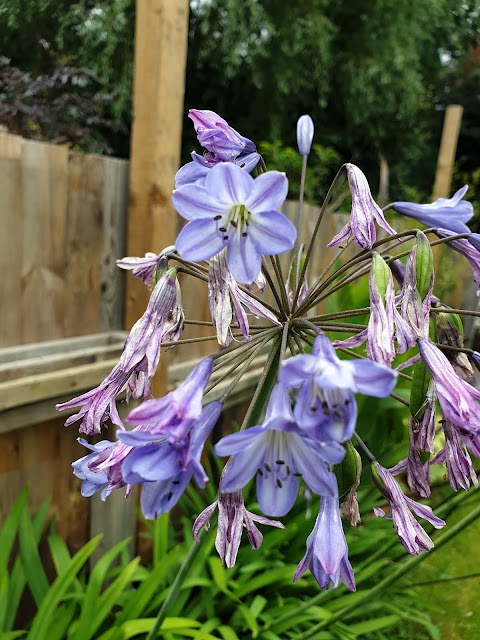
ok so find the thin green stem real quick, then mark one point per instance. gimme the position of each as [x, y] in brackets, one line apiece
[244, 368]
[174, 589]
[273, 288]
[298, 224]
[281, 285]
[323, 209]
[364, 447]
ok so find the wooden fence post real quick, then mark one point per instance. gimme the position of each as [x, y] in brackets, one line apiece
[159, 86]
[448, 148]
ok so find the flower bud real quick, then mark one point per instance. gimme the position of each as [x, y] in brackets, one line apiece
[304, 135]
[348, 474]
[423, 265]
[381, 274]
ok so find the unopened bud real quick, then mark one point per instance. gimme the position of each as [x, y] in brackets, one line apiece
[348, 474]
[304, 135]
[381, 274]
[423, 265]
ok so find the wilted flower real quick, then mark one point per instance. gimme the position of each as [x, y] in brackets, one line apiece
[223, 294]
[143, 268]
[365, 211]
[232, 517]
[457, 398]
[327, 550]
[237, 213]
[458, 462]
[92, 481]
[305, 130]
[446, 213]
[411, 534]
[278, 452]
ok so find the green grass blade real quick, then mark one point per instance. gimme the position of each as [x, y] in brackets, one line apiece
[84, 627]
[9, 529]
[49, 605]
[30, 556]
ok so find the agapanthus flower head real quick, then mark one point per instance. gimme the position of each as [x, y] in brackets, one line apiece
[222, 142]
[325, 403]
[411, 534]
[365, 212]
[446, 213]
[232, 518]
[327, 550]
[305, 131]
[278, 452]
[237, 213]
[165, 465]
[458, 399]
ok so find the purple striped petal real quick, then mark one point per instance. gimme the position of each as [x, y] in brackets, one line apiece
[194, 202]
[229, 184]
[272, 233]
[199, 240]
[268, 193]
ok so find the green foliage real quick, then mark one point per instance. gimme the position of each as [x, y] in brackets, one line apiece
[119, 599]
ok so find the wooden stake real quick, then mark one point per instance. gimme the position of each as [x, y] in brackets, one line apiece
[448, 148]
[159, 84]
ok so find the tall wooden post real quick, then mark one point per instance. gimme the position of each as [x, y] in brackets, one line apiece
[448, 149]
[159, 84]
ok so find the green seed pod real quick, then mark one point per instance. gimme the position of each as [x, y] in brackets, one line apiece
[348, 471]
[381, 273]
[423, 264]
[419, 390]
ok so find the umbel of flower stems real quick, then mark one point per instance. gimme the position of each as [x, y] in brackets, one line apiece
[300, 429]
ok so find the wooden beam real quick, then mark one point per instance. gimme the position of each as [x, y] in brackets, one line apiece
[448, 149]
[159, 84]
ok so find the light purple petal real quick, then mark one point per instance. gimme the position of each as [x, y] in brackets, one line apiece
[276, 499]
[295, 371]
[150, 462]
[241, 468]
[199, 240]
[372, 378]
[159, 497]
[272, 233]
[243, 259]
[268, 193]
[194, 202]
[228, 184]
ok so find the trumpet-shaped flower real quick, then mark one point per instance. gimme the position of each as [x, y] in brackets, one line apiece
[232, 517]
[326, 404]
[327, 550]
[445, 213]
[458, 399]
[165, 466]
[278, 452]
[365, 212]
[411, 534]
[174, 415]
[237, 213]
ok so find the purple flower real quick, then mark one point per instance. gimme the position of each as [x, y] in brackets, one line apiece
[411, 534]
[457, 398]
[223, 292]
[232, 517]
[92, 481]
[196, 171]
[446, 213]
[458, 462]
[237, 213]
[162, 321]
[325, 403]
[99, 404]
[327, 550]
[223, 143]
[143, 268]
[174, 415]
[365, 211]
[304, 135]
[166, 465]
[278, 452]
